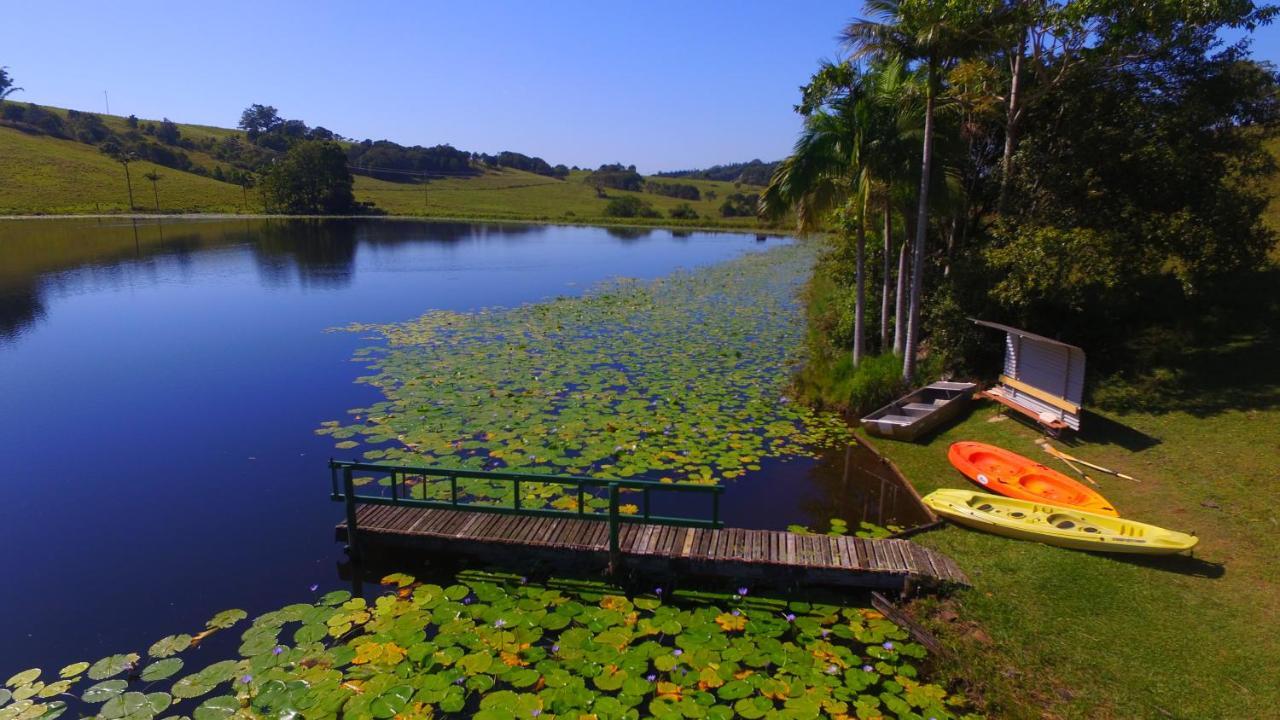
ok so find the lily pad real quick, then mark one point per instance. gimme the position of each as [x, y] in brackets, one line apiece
[104, 691]
[217, 708]
[161, 669]
[112, 665]
[169, 646]
[26, 677]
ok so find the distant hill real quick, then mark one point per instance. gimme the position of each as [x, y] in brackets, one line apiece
[755, 172]
[50, 162]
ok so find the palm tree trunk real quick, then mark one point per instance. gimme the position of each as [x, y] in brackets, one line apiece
[900, 295]
[884, 286]
[1012, 117]
[128, 181]
[859, 311]
[922, 231]
[156, 191]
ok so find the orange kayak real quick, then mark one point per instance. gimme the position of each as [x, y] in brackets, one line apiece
[1010, 474]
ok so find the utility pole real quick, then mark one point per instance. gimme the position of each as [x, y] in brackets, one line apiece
[106, 100]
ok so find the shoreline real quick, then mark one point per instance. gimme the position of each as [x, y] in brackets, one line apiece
[602, 223]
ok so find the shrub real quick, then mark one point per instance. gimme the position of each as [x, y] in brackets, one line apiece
[740, 205]
[628, 206]
[684, 211]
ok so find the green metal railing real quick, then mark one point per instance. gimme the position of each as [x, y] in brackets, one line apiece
[342, 479]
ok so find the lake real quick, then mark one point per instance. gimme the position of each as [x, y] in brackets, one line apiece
[161, 384]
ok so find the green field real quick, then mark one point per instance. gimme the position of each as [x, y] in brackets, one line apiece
[42, 175]
[1047, 632]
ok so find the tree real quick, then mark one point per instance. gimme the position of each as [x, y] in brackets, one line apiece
[257, 119]
[154, 177]
[6, 85]
[850, 154]
[124, 156]
[168, 132]
[933, 33]
[311, 178]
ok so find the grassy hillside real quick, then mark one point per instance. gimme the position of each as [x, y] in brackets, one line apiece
[41, 174]
[46, 175]
[516, 194]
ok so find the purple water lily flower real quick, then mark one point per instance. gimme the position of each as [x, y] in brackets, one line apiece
[466, 600]
[277, 650]
[458, 681]
[789, 617]
[555, 648]
[887, 645]
[499, 623]
[536, 712]
[246, 679]
[868, 668]
[736, 612]
[315, 587]
[742, 592]
[832, 669]
[657, 591]
[651, 677]
[825, 632]
[677, 652]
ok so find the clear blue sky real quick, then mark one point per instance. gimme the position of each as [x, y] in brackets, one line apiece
[663, 84]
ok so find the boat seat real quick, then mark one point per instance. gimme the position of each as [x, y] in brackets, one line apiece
[895, 420]
[919, 407]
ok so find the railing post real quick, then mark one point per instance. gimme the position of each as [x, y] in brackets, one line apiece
[515, 482]
[615, 553]
[715, 508]
[453, 490]
[349, 492]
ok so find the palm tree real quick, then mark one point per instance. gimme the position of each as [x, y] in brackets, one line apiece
[124, 156]
[6, 85]
[154, 177]
[934, 34]
[828, 167]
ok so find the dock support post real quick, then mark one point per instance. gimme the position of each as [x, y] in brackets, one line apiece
[349, 497]
[615, 553]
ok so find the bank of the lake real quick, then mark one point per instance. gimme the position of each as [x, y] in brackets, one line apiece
[1048, 632]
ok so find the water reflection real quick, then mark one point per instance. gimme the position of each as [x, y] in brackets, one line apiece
[854, 484]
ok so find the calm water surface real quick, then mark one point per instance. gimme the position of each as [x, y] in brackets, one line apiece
[160, 384]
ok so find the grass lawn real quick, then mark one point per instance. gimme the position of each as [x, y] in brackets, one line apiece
[1047, 632]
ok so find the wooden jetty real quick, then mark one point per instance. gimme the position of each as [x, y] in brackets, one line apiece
[640, 543]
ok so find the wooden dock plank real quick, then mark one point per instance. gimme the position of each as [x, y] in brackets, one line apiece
[892, 560]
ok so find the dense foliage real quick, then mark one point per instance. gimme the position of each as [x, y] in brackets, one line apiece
[739, 205]
[498, 647]
[386, 160]
[629, 206]
[684, 191]
[1095, 171]
[616, 176]
[311, 178]
[754, 172]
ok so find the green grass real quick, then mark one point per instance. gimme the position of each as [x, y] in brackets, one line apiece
[45, 175]
[1047, 632]
[518, 195]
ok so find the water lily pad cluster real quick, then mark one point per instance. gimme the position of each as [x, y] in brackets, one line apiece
[840, 526]
[678, 379]
[494, 646]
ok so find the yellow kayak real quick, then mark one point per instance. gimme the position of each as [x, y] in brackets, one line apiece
[1054, 525]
